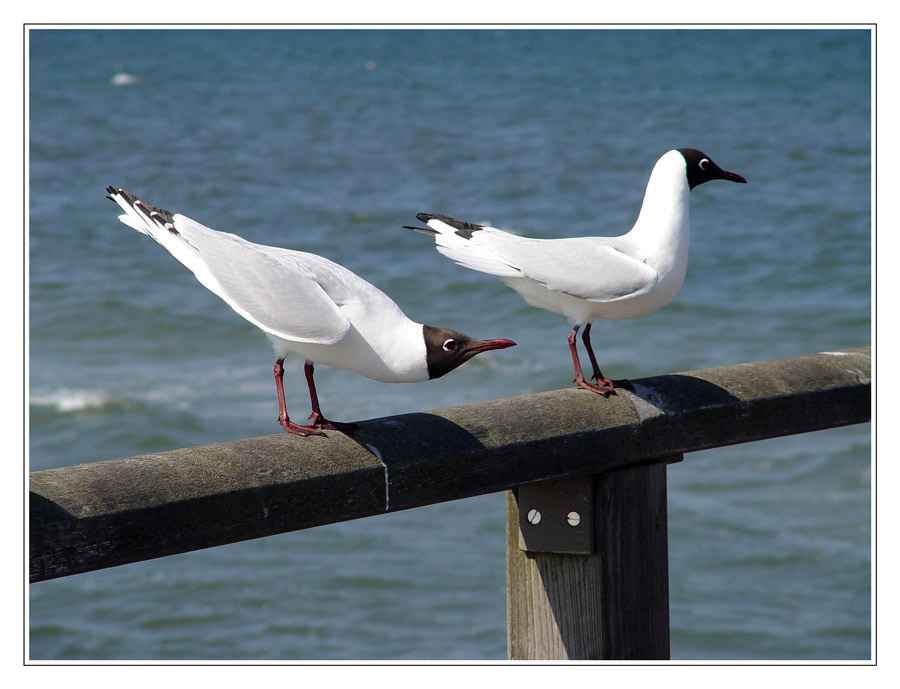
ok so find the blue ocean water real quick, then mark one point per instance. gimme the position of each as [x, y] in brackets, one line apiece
[329, 141]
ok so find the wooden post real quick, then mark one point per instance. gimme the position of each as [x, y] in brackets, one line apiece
[610, 605]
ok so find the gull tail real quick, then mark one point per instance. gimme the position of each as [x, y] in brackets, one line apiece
[463, 242]
[158, 224]
[423, 230]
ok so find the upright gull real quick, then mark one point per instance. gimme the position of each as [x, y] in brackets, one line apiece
[585, 278]
[306, 305]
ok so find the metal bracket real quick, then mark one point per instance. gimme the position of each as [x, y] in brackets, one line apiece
[557, 516]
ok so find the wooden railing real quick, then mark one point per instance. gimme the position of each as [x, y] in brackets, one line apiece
[587, 564]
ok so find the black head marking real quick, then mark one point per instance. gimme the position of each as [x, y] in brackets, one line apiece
[447, 349]
[463, 228]
[701, 168]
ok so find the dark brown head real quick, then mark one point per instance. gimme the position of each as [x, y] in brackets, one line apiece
[446, 349]
[701, 168]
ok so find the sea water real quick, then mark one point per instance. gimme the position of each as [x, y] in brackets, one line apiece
[329, 141]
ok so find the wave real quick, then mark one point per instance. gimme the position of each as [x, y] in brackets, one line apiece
[70, 400]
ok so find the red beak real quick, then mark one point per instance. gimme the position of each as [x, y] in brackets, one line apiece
[487, 345]
[733, 177]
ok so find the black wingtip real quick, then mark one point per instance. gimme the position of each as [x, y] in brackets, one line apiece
[423, 230]
[463, 228]
[455, 223]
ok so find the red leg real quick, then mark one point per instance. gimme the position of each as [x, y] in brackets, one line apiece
[605, 390]
[319, 421]
[283, 418]
[598, 375]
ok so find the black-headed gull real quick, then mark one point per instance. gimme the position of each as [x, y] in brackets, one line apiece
[585, 278]
[306, 305]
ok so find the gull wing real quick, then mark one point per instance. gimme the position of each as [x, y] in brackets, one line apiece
[278, 290]
[590, 268]
[290, 294]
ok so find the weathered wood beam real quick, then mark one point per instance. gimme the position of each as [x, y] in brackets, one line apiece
[113, 512]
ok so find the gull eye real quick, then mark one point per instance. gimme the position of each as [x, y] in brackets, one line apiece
[449, 345]
[703, 163]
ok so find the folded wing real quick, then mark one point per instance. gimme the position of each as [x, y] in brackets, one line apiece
[280, 291]
[591, 268]
[587, 268]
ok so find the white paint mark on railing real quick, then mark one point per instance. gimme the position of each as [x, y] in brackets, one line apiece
[387, 478]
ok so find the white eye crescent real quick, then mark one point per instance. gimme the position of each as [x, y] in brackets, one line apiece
[703, 163]
[449, 345]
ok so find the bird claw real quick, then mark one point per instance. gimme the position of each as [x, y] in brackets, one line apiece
[605, 390]
[319, 421]
[319, 424]
[606, 382]
[603, 386]
[297, 429]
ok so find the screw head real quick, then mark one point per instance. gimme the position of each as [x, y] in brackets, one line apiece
[534, 517]
[573, 518]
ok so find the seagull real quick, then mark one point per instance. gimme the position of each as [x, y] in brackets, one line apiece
[306, 305]
[584, 278]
